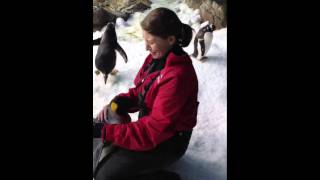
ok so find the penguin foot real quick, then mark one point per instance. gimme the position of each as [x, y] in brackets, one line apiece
[203, 59]
[159, 175]
[114, 72]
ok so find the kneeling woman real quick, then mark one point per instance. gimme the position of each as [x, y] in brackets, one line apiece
[165, 94]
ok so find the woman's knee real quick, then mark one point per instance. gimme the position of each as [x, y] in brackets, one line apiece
[105, 175]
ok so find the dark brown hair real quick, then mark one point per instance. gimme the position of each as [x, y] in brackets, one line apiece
[164, 22]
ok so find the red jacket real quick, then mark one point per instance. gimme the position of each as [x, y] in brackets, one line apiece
[171, 102]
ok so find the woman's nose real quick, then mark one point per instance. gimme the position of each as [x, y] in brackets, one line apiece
[147, 47]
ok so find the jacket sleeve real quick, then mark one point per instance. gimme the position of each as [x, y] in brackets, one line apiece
[132, 95]
[150, 130]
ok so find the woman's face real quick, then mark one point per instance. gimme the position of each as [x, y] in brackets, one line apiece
[156, 45]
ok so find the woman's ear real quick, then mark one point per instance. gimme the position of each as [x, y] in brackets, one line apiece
[172, 40]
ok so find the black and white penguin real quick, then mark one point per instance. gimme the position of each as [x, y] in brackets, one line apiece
[105, 60]
[202, 41]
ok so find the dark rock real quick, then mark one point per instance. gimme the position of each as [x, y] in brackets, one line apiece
[101, 17]
[213, 11]
[114, 9]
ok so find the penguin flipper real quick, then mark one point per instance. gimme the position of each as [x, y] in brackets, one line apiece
[122, 52]
[195, 47]
[96, 41]
[203, 47]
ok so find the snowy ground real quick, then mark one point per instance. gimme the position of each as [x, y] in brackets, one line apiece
[205, 158]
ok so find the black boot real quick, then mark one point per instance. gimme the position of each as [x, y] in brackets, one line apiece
[166, 175]
[159, 175]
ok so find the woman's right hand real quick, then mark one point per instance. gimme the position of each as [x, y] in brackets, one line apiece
[103, 114]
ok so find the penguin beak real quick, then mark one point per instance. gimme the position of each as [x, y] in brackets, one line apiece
[213, 27]
[110, 25]
[105, 77]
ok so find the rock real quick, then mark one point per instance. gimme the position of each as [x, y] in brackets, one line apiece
[194, 4]
[138, 7]
[101, 17]
[213, 11]
[116, 9]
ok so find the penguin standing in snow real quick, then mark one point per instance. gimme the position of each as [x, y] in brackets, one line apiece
[105, 60]
[202, 41]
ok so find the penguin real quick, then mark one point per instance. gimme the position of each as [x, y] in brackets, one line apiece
[117, 114]
[202, 41]
[105, 59]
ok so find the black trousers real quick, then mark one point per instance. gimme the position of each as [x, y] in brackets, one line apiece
[126, 164]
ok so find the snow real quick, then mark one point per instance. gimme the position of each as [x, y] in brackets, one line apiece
[206, 157]
[120, 23]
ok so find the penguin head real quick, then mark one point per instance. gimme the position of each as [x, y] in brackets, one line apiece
[210, 28]
[213, 27]
[121, 105]
[114, 117]
[109, 33]
[110, 25]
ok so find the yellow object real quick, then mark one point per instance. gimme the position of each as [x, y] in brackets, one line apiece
[114, 106]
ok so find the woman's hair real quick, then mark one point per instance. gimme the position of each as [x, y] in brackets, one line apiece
[164, 22]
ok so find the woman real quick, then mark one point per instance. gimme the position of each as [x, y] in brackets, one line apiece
[165, 94]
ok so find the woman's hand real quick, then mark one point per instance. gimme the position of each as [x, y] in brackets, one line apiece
[103, 114]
